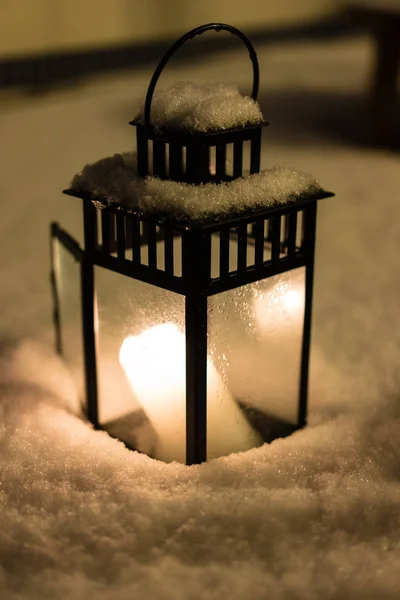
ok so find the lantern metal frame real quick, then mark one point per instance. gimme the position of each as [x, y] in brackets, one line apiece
[286, 230]
[189, 152]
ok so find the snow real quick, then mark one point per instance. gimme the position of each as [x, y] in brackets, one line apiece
[207, 106]
[312, 516]
[116, 180]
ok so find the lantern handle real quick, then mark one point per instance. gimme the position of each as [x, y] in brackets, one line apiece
[188, 36]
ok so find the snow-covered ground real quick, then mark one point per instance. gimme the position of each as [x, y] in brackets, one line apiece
[312, 516]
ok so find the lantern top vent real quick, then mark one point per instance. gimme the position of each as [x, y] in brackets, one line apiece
[183, 133]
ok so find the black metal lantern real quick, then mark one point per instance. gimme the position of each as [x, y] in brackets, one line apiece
[206, 381]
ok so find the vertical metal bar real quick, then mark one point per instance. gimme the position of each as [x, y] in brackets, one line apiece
[184, 159]
[242, 247]
[310, 218]
[255, 152]
[224, 253]
[135, 232]
[220, 162]
[128, 234]
[120, 235]
[275, 238]
[258, 232]
[269, 230]
[291, 234]
[238, 158]
[175, 161]
[197, 163]
[88, 314]
[229, 161]
[169, 251]
[285, 231]
[113, 233]
[196, 378]
[204, 266]
[152, 244]
[196, 272]
[303, 232]
[106, 230]
[89, 341]
[142, 151]
[90, 225]
[159, 158]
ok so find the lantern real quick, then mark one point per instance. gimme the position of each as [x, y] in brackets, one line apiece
[188, 332]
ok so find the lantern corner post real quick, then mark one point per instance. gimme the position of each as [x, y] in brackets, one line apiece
[196, 269]
[309, 252]
[88, 299]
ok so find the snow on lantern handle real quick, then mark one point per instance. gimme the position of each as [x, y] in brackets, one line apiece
[182, 40]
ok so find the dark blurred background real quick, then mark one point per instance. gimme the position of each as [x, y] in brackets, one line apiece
[49, 43]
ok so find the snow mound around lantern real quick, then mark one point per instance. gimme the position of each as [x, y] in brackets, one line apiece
[208, 106]
[116, 181]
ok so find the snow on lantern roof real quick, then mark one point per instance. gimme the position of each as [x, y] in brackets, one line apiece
[115, 181]
[201, 107]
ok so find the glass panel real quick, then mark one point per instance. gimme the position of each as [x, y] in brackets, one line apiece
[255, 340]
[141, 365]
[68, 276]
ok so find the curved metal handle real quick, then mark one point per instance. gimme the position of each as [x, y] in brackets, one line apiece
[188, 36]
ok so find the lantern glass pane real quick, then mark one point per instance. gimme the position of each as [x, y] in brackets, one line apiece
[68, 281]
[254, 342]
[141, 365]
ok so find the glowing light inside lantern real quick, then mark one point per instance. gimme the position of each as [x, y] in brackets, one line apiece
[155, 365]
[281, 307]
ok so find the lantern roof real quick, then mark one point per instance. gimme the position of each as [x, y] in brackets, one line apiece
[184, 176]
[114, 182]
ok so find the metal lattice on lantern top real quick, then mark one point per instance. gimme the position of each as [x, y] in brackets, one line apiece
[189, 152]
[186, 376]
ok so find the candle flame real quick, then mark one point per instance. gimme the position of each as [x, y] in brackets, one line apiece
[282, 304]
[157, 356]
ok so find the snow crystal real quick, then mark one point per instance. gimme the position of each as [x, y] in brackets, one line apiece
[116, 180]
[209, 106]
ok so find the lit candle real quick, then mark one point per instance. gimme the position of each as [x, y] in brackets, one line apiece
[280, 309]
[155, 365]
[263, 369]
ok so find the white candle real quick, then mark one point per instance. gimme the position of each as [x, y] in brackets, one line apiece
[154, 363]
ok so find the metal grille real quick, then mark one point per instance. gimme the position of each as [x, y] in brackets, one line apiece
[199, 158]
[141, 242]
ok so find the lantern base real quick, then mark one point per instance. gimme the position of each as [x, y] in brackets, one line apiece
[135, 431]
[270, 428]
